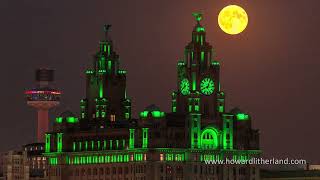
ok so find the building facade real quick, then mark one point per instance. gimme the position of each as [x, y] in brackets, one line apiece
[105, 142]
[26, 164]
[36, 162]
[15, 166]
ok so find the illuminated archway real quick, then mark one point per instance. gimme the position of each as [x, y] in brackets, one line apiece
[209, 138]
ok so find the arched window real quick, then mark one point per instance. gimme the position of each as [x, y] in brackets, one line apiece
[209, 138]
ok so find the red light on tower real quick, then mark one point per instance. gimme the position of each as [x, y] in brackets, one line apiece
[43, 98]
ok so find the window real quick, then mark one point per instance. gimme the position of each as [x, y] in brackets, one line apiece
[227, 136]
[112, 118]
[195, 135]
[161, 157]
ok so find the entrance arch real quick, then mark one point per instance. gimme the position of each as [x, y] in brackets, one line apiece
[209, 138]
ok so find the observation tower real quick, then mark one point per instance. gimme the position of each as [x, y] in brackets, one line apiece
[43, 98]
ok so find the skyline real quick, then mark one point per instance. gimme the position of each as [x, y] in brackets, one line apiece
[66, 53]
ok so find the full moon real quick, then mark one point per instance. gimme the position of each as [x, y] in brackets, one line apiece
[233, 19]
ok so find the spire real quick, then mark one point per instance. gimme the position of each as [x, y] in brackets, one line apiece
[106, 46]
[198, 28]
[106, 29]
[197, 16]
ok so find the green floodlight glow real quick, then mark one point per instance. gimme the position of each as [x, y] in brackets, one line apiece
[202, 56]
[126, 115]
[242, 117]
[74, 146]
[109, 65]
[89, 71]
[157, 114]
[86, 145]
[131, 139]
[59, 120]
[200, 29]
[181, 63]
[59, 142]
[102, 71]
[53, 161]
[145, 137]
[72, 120]
[122, 72]
[215, 63]
[105, 145]
[100, 89]
[92, 145]
[185, 86]
[144, 114]
[194, 81]
[197, 16]
[209, 138]
[221, 108]
[47, 146]
[207, 86]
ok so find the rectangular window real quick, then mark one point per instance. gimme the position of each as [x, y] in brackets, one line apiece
[112, 118]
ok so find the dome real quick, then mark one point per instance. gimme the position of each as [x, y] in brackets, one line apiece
[66, 114]
[151, 108]
[240, 115]
[153, 111]
[236, 110]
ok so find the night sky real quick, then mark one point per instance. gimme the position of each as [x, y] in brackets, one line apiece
[270, 71]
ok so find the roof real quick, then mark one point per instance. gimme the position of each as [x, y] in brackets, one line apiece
[151, 108]
[66, 114]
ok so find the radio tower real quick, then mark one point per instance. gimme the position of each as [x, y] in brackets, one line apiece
[43, 98]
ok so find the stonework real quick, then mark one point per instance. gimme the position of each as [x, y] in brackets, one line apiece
[106, 142]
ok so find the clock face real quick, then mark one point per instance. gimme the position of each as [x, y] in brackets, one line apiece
[207, 86]
[185, 87]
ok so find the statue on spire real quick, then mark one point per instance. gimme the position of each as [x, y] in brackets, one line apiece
[197, 16]
[106, 29]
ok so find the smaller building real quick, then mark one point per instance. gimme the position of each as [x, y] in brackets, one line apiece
[15, 166]
[25, 164]
[35, 160]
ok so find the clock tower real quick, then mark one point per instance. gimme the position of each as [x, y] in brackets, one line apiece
[198, 92]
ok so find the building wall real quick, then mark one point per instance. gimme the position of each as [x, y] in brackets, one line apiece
[15, 166]
[152, 171]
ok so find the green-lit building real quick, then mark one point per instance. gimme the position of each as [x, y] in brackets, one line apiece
[106, 142]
